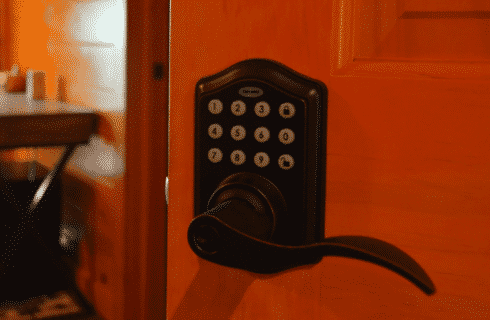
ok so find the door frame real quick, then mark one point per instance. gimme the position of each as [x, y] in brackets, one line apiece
[145, 211]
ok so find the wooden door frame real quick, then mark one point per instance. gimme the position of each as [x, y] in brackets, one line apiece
[145, 212]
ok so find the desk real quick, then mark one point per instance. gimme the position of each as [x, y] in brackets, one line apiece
[31, 123]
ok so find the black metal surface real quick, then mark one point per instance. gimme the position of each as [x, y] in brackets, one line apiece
[302, 186]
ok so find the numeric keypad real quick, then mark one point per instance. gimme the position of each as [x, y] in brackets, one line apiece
[262, 134]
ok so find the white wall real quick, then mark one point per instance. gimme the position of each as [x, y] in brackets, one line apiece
[88, 43]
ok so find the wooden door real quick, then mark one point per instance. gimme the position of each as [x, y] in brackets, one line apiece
[408, 153]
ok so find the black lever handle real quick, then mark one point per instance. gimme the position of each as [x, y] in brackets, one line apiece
[236, 232]
[212, 239]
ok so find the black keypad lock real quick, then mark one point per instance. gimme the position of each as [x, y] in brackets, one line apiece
[259, 180]
[261, 117]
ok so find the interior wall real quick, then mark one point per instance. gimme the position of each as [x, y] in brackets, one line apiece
[81, 47]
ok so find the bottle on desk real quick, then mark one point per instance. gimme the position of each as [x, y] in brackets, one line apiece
[35, 84]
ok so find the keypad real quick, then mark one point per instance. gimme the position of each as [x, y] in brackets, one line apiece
[260, 118]
[262, 134]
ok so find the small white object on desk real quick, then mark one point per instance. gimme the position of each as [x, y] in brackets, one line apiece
[35, 84]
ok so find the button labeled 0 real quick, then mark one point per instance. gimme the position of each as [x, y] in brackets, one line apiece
[286, 136]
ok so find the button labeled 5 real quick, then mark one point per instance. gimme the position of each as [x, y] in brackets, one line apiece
[238, 133]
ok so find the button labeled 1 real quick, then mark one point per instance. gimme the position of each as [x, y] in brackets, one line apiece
[215, 106]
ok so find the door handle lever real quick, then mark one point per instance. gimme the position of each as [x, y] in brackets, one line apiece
[237, 231]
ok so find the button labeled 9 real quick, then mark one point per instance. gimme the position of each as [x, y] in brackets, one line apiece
[261, 159]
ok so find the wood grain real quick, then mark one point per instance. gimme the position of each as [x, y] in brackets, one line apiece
[407, 162]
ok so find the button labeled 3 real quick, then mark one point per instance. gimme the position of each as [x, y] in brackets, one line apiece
[262, 109]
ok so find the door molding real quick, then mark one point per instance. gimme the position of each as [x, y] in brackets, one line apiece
[145, 213]
[346, 44]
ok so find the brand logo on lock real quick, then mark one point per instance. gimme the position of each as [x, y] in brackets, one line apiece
[250, 92]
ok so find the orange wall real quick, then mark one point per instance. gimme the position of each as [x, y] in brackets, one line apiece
[28, 42]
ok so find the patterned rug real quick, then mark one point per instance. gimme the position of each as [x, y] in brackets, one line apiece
[65, 304]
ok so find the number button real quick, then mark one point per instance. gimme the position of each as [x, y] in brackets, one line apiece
[262, 134]
[238, 108]
[287, 110]
[238, 157]
[261, 159]
[215, 131]
[215, 106]
[262, 109]
[238, 133]
[215, 155]
[286, 136]
[286, 162]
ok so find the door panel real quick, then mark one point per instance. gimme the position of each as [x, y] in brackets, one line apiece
[407, 163]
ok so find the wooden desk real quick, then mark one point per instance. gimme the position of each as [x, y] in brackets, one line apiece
[31, 123]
